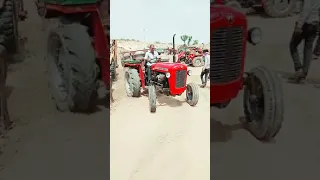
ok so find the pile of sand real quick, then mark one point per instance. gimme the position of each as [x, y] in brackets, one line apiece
[130, 45]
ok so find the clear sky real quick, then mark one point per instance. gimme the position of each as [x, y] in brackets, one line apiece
[158, 20]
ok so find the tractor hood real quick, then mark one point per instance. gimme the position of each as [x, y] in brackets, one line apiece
[219, 15]
[168, 66]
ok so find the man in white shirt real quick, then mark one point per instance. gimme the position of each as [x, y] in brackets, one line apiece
[150, 57]
[205, 68]
[306, 29]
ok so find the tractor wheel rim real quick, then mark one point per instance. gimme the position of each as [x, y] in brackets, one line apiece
[189, 94]
[255, 102]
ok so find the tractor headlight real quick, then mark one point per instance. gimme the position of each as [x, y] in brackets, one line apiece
[168, 75]
[254, 35]
[189, 72]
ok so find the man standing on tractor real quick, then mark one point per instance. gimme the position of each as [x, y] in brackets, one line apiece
[205, 68]
[151, 57]
[306, 29]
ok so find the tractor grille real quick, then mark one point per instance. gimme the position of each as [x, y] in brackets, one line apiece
[180, 78]
[226, 48]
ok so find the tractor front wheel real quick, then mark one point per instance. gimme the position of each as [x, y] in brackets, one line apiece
[192, 94]
[263, 103]
[73, 72]
[152, 98]
[132, 83]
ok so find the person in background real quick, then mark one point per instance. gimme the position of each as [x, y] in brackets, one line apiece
[205, 68]
[305, 29]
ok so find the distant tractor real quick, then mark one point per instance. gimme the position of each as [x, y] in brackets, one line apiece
[272, 8]
[191, 56]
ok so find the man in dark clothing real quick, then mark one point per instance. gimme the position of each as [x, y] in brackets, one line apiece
[316, 50]
[206, 68]
[306, 29]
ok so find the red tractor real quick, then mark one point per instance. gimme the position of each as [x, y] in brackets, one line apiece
[191, 56]
[164, 77]
[263, 96]
[272, 8]
[78, 51]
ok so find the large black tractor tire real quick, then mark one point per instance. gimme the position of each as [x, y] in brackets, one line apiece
[72, 68]
[270, 8]
[9, 26]
[152, 95]
[197, 62]
[263, 103]
[132, 83]
[192, 94]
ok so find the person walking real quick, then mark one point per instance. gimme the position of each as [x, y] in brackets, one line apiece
[316, 50]
[205, 68]
[305, 29]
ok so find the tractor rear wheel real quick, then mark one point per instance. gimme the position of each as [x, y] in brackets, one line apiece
[152, 99]
[192, 94]
[263, 103]
[132, 83]
[72, 68]
[279, 8]
[9, 26]
[197, 61]
[235, 5]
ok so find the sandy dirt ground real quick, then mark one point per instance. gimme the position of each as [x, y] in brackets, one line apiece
[294, 154]
[172, 144]
[46, 144]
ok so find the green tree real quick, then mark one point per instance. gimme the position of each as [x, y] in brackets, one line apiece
[195, 42]
[189, 40]
[184, 38]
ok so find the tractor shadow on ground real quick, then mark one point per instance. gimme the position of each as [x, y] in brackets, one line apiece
[220, 132]
[164, 100]
[207, 87]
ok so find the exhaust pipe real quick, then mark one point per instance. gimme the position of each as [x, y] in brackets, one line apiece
[174, 48]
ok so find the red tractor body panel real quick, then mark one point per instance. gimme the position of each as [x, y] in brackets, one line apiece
[227, 26]
[174, 69]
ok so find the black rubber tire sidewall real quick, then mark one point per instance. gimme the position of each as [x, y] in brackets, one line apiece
[195, 94]
[273, 105]
[9, 26]
[133, 80]
[152, 96]
[81, 91]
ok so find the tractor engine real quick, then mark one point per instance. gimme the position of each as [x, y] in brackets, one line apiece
[160, 80]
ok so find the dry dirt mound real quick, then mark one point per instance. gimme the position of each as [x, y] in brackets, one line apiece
[129, 45]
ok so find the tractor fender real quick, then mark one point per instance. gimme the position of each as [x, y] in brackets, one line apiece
[2, 3]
